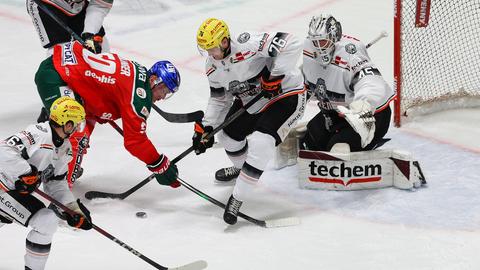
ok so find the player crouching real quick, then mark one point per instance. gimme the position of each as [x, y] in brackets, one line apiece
[354, 116]
[40, 154]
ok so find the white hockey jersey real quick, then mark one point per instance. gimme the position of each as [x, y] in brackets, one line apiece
[350, 76]
[238, 75]
[34, 146]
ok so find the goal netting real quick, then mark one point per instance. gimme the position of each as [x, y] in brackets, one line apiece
[437, 56]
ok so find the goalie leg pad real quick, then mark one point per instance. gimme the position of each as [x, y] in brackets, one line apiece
[358, 170]
[286, 153]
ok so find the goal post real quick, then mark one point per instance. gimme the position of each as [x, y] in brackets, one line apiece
[436, 56]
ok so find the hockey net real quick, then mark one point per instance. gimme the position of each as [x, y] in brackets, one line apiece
[436, 56]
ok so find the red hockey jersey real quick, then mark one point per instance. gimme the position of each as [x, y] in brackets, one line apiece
[111, 88]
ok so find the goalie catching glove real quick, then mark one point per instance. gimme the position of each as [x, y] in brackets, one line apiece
[361, 119]
[81, 219]
[200, 144]
[93, 42]
[165, 172]
[27, 183]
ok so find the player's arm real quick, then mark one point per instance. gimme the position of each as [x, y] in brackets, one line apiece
[97, 10]
[367, 82]
[285, 50]
[139, 145]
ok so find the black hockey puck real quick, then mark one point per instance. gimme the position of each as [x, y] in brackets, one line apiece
[141, 215]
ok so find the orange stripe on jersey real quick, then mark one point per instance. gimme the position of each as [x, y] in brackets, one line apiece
[291, 93]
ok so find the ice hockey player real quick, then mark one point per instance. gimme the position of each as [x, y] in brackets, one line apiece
[352, 95]
[111, 88]
[239, 69]
[40, 154]
[354, 117]
[84, 17]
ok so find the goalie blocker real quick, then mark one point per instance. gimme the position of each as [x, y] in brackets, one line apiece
[358, 170]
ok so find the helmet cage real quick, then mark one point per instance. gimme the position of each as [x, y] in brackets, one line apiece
[324, 31]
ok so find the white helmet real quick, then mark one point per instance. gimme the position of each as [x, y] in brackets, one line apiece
[324, 31]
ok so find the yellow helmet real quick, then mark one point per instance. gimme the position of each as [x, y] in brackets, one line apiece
[211, 33]
[65, 109]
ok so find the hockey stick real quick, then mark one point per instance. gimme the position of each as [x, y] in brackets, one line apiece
[170, 117]
[197, 265]
[269, 223]
[99, 194]
[375, 40]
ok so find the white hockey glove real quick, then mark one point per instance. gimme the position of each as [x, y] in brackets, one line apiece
[360, 117]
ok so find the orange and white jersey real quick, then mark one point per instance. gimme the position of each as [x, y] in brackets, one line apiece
[238, 74]
[34, 145]
[350, 76]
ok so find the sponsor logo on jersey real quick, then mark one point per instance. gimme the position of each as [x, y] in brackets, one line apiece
[125, 68]
[350, 48]
[240, 56]
[68, 57]
[102, 79]
[263, 41]
[141, 92]
[344, 173]
[243, 37]
[359, 64]
[8, 205]
[29, 137]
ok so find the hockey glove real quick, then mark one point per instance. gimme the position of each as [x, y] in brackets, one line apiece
[361, 119]
[81, 219]
[93, 42]
[165, 173]
[200, 144]
[271, 87]
[27, 183]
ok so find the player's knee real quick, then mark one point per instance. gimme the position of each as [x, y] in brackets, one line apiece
[44, 222]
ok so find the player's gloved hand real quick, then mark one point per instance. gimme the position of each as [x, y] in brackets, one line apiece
[200, 144]
[271, 86]
[93, 42]
[165, 173]
[81, 219]
[27, 183]
[360, 116]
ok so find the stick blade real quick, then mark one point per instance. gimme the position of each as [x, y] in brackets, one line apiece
[197, 265]
[89, 195]
[282, 222]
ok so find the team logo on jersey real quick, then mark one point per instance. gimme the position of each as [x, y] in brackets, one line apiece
[68, 57]
[350, 48]
[244, 37]
[240, 56]
[141, 92]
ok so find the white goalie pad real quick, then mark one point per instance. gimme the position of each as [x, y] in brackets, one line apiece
[286, 153]
[358, 170]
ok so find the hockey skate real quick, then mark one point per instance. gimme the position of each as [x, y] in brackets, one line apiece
[231, 210]
[226, 175]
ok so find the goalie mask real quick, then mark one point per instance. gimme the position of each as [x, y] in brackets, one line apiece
[324, 31]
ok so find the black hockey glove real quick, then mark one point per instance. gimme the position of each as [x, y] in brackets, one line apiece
[271, 87]
[93, 42]
[165, 173]
[200, 145]
[27, 183]
[81, 219]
